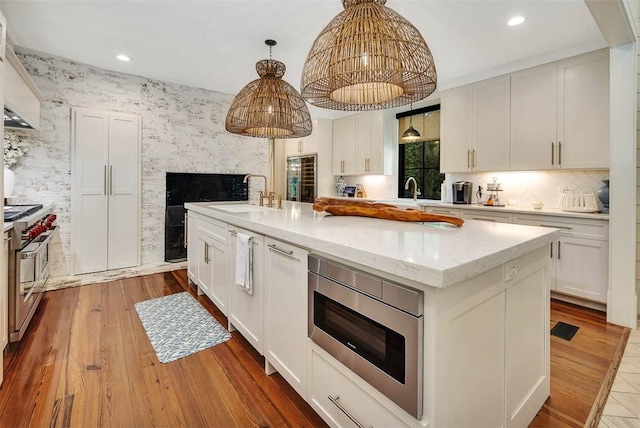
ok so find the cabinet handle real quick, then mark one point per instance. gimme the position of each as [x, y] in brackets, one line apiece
[551, 250]
[300, 146]
[557, 227]
[475, 159]
[552, 153]
[111, 179]
[483, 219]
[341, 166]
[559, 250]
[233, 232]
[335, 400]
[280, 250]
[105, 179]
[559, 152]
[468, 161]
[206, 253]
[186, 219]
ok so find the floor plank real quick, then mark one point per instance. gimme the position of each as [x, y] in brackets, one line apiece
[86, 361]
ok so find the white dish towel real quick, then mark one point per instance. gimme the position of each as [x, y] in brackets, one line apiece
[244, 262]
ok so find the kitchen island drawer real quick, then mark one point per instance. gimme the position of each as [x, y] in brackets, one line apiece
[343, 403]
[575, 227]
[443, 211]
[214, 228]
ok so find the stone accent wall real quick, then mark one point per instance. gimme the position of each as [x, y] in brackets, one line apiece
[182, 131]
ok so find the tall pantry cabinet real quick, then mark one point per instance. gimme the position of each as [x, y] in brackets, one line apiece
[4, 252]
[105, 205]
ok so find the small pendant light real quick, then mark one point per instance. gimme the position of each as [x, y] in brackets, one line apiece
[411, 134]
[269, 107]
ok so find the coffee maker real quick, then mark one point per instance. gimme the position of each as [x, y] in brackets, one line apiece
[462, 192]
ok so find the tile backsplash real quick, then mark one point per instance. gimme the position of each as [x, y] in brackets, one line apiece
[525, 188]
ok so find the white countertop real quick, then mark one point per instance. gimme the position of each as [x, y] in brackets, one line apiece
[431, 254]
[406, 202]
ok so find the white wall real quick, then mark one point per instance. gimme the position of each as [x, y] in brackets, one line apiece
[182, 131]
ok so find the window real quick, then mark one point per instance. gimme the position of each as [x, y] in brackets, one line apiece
[420, 159]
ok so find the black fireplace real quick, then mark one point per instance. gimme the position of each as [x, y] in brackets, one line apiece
[194, 187]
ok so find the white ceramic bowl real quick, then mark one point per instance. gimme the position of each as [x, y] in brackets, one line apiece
[538, 205]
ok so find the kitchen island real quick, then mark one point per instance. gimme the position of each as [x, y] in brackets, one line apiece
[485, 290]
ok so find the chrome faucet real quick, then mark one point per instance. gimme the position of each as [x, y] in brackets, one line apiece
[416, 191]
[269, 196]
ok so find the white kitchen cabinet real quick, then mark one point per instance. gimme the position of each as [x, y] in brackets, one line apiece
[320, 134]
[514, 353]
[483, 215]
[3, 40]
[286, 312]
[560, 114]
[443, 211]
[362, 144]
[580, 258]
[246, 311]
[213, 261]
[105, 190]
[344, 153]
[339, 400]
[192, 246]
[475, 127]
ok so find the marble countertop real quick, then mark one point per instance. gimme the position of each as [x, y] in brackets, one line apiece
[430, 254]
[551, 211]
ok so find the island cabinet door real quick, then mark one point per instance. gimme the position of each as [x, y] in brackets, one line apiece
[527, 338]
[192, 247]
[286, 312]
[203, 265]
[246, 304]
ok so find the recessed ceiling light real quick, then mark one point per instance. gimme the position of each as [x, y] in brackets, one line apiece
[516, 20]
[123, 58]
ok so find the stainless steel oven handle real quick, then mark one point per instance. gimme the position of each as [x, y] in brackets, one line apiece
[335, 400]
[32, 254]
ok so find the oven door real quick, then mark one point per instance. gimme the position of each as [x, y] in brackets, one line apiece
[381, 344]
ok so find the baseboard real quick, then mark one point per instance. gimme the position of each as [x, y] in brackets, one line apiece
[578, 301]
[111, 275]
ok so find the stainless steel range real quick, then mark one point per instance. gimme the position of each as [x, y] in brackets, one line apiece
[33, 228]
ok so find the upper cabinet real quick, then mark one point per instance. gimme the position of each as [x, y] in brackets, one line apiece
[475, 127]
[560, 114]
[362, 144]
[554, 116]
[319, 138]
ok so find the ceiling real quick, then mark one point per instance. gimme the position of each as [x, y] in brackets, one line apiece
[214, 44]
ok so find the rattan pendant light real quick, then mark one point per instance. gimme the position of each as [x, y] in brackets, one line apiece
[411, 134]
[368, 58]
[269, 107]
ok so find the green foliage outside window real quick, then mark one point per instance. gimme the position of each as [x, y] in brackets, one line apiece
[421, 161]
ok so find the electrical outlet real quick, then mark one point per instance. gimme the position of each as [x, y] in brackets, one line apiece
[510, 271]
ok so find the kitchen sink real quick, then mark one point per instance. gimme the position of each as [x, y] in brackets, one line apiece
[240, 208]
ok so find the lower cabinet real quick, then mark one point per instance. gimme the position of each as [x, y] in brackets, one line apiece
[210, 271]
[580, 257]
[340, 401]
[4, 302]
[192, 247]
[494, 217]
[246, 311]
[286, 312]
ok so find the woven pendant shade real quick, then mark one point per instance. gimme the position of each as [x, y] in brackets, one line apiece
[368, 58]
[269, 107]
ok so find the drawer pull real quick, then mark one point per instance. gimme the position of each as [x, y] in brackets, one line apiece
[335, 400]
[484, 219]
[557, 227]
[280, 250]
[233, 232]
[551, 246]
[552, 153]
[559, 249]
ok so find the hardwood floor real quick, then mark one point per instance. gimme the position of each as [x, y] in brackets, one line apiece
[86, 361]
[581, 367]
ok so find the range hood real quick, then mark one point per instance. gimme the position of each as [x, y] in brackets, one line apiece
[21, 96]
